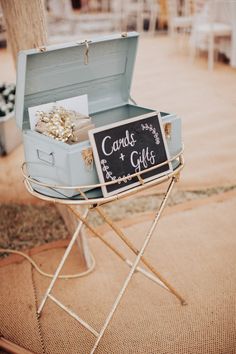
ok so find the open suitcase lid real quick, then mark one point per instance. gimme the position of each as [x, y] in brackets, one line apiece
[61, 71]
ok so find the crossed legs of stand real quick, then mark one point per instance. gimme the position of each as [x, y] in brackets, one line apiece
[134, 266]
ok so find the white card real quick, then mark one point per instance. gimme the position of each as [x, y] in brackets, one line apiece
[78, 104]
[33, 110]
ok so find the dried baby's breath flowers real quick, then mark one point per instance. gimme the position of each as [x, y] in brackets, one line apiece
[61, 124]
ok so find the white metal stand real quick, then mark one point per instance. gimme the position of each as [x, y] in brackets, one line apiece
[96, 205]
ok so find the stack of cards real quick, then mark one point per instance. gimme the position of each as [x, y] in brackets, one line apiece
[66, 120]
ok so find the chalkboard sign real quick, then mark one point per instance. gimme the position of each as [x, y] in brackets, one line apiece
[127, 147]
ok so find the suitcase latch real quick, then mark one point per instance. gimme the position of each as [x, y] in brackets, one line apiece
[87, 155]
[167, 130]
[86, 52]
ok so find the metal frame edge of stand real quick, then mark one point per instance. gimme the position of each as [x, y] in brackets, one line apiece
[96, 205]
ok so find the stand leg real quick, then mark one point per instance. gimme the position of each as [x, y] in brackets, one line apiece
[117, 252]
[158, 279]
[67, 252]
[120, 233]
[155, 279]
[148, 275]
[135, 264]
[98, 234]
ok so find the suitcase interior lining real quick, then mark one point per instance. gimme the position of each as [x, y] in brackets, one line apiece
[120, 113]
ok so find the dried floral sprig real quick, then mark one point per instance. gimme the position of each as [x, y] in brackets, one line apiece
[60, 124]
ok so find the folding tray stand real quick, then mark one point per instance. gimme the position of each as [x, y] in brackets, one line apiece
[96, 204]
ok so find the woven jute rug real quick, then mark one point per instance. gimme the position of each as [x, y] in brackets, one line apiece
[194, 249]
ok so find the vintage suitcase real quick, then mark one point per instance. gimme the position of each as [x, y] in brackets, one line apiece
[102, 68]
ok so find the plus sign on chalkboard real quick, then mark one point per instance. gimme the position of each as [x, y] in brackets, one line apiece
[129, 147]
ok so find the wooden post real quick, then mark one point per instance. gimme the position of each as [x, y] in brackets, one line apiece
[26, 24]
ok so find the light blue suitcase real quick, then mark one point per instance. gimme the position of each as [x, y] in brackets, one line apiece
[101, 68]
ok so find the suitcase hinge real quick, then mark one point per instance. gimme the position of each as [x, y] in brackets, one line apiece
[42, 49]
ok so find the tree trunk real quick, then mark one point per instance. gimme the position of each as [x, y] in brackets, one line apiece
[26, 29]
[26, 24]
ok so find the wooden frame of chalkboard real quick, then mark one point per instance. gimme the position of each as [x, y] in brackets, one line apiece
[130, 147]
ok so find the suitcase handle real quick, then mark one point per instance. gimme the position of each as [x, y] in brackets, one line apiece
[46, 157]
